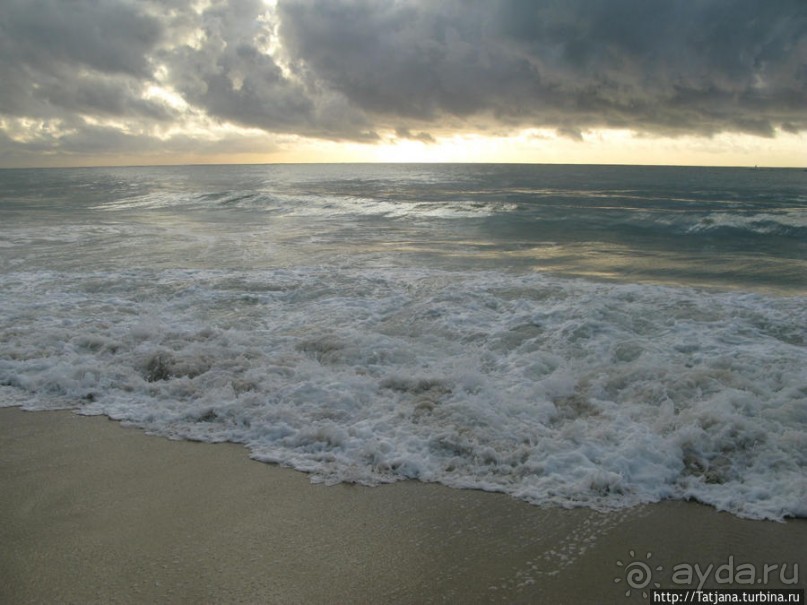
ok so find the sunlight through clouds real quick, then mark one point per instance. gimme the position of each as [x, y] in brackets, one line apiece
[716, 83]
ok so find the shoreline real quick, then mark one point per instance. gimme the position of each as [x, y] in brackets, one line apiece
[99, 513]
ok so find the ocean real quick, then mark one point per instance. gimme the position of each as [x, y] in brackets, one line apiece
[597, 336]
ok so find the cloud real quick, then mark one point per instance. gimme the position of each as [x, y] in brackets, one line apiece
[570, 133]
[351, 69]
[228, 74]
[59, 143]
[694, 67]
[231, 74]
[109, 37]
[84, 56]
[401, 132]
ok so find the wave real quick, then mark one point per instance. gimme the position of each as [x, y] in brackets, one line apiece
[555, 391]
[792, 223]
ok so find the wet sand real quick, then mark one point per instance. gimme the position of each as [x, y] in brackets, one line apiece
[93, 512]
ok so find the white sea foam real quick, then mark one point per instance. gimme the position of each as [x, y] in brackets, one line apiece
[323, 206]
[763, 222]
[555, 391]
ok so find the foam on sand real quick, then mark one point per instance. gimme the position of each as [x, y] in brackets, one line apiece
[555, 391]
[93, 513]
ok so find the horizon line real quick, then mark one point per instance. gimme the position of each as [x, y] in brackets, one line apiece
[394, 163]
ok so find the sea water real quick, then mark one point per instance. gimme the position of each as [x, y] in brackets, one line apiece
[594, 336]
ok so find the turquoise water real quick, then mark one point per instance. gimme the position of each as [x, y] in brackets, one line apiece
[728, 228]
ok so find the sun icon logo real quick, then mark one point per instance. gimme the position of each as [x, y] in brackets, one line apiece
[638, 574]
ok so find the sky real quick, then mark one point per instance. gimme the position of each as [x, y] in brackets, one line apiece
[122, 82]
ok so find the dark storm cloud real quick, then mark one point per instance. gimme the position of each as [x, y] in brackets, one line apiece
[61, 57]
[700, 66]
[404, 133]
[108, 37]
[345, 69]
[230, 75]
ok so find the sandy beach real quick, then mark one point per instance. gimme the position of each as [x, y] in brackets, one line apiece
[98, 513]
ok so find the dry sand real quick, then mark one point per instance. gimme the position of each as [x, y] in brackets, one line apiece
[92, 512]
